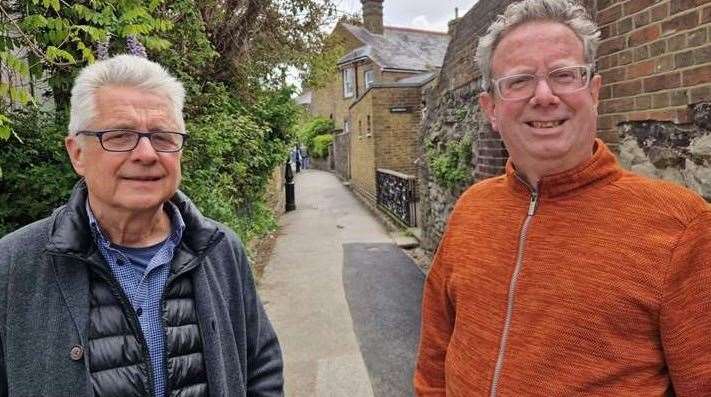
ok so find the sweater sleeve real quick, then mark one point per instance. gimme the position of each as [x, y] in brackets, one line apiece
[686, 310]
[435, 332]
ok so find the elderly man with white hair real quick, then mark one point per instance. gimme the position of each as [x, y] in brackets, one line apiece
[567, 276]
[127, 290]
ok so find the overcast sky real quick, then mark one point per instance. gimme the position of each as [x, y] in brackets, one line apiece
[418, 14]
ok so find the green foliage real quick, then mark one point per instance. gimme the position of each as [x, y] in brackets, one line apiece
[451, 165]
[312, 128]
[236, 140]
[320, 145]
[231, 154]
[60, 35]
[37, 175]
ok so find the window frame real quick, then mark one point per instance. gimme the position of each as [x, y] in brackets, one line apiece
[368, 82]
[348, 84]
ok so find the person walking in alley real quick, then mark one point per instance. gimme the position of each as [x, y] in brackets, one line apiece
[127, 290]
[568, 275]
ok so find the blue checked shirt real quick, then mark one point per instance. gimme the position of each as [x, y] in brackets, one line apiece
[145, 289]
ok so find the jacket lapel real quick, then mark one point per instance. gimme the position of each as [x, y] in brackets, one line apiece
[73, 282]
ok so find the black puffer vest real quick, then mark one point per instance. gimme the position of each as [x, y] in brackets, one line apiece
[118, 357]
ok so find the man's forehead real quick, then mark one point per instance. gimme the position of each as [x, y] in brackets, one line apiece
[532, 40]
[119, 106]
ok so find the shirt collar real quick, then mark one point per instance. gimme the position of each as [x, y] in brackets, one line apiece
[601, 169]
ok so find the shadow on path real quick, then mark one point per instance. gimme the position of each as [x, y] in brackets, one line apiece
[384, 290]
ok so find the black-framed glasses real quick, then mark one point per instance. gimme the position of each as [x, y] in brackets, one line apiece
[125, 140]
[565, 80]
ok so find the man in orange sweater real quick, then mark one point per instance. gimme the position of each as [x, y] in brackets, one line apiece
[567, 276]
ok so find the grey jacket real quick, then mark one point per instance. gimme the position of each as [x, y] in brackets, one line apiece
[44, 306]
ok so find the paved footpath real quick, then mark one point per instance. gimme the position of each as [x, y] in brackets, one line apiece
[344, 300]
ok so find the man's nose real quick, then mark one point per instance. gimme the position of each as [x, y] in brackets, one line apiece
[543, 94]
[144, 149]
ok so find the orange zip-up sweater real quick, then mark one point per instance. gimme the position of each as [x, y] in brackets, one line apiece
[599, 284]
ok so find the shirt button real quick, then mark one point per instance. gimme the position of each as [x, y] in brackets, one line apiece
[139, 311]
[76, 353]
[119, 262]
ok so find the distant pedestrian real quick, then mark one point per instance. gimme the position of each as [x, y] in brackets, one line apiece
[297, 158]
[568, 275]
[305, 158]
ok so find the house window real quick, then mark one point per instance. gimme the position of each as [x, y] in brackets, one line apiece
[367, 126]
[348, 82]
[345, 127]
[369, 78]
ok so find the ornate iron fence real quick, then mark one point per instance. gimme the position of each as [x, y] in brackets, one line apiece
[397, 194]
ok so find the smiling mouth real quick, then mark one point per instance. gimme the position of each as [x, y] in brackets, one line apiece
[545, 124]
[144, 178]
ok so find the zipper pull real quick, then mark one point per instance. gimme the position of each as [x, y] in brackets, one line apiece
[534, 203]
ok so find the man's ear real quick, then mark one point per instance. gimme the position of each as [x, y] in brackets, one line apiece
[486, 102]
[76, 154]
[595, 84]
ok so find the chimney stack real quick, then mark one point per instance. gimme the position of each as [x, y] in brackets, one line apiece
[452, 24]
[373, 15]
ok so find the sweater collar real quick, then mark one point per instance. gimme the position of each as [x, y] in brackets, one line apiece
[599, 170]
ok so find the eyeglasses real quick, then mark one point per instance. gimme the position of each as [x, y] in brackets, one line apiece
[124, 140]
[563, 80]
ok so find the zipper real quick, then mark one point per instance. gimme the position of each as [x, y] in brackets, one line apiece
[533, 204]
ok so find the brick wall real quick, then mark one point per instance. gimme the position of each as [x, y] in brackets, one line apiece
[655, 106]
[383, 139]
[396, 133]
[341, 154]
[655, 60]
[362, 149]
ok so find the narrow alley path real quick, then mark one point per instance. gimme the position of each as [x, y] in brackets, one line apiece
[344, 300]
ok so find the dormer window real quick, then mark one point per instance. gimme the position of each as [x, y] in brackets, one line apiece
[369, 78]
[348, 82]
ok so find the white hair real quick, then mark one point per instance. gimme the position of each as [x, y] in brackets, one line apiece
[127, 71]
[567, 12]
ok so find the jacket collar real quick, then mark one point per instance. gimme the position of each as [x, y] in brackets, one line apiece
[71, 232]
[599, 170]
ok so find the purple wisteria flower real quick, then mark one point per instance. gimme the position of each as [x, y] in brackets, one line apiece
[135, 47]
[102, 48]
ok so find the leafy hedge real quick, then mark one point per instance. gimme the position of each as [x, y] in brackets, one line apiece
[321, 144]
[37, 174]
[316, 134]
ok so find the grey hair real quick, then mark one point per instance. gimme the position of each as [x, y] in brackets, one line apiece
[567, 12]
[127, 71]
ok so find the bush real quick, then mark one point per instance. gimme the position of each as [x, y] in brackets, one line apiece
[231, 154]
[37, 174]
[316, 127]
[451, 165]
[320, 144]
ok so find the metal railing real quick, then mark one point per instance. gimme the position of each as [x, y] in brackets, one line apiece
[397, 194]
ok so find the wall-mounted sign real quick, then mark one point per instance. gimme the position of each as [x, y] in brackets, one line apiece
[401, 109]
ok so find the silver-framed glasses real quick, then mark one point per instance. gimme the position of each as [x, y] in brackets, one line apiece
[564, 80]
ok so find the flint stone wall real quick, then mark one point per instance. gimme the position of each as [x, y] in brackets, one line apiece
[680, 153]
